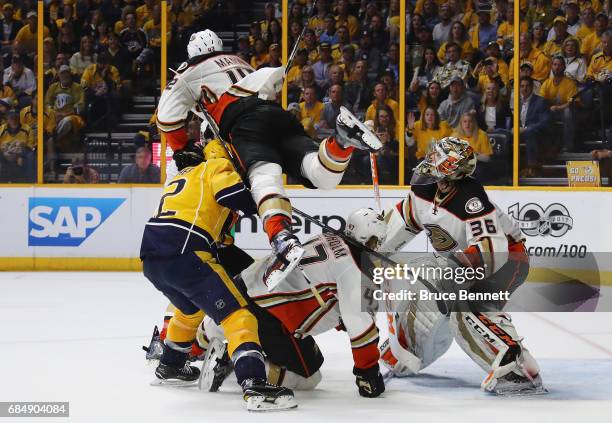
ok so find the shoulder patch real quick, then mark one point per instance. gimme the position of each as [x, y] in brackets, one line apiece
[474, 205]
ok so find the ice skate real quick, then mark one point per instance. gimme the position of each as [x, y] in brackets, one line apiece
[263, 396]
[288, 253]
[518, 378]
[155, 349]
[182, 376]
[353, 133]
[216, 368]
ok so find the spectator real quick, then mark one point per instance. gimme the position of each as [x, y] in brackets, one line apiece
[539, 36]
[454, 66]
[9, 28]
[420, 133]
[392, 61]
[142, 171]
[329, 36]
[358, 91]
[380, 34]
[539, 61]
[424, 73]
[592, 43]
[442, 30]
[274, 57]
[119, 58]
[575, 65]
[80, 173]
[430, 13]
[101, 83]
[17, 145]
[458, 36]
[494, 113]
[554, 45]
[133, 38]
[347, 61]
[66, 98]
[457, 104]
[534, 119]
[152, 28]
[310, 44]
[600, 67]
[587, 27]
[558, 91]
[83, 58]
[331, 109]
[468, 130]
[432, 97]
[25, 40]
[295, 72]
[21, 80]
[317, 22]
[311, 110]
[386, 78]
[274, 34]
[386, 129]
[381, 96]
[307, 81]
[260, 55]
[321, 68]
[144, 12]
[370, 54]
[484, 31]
[345, 19]
[7, 95]
[67, 42]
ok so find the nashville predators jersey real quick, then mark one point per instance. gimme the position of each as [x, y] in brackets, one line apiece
[462, 220]
[196, 210]
[332, 270]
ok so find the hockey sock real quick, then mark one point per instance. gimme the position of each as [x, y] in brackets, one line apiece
[335, 151]
[274, 224]
[249, 362]
[183, 327]
[175, 353]
[325, 168]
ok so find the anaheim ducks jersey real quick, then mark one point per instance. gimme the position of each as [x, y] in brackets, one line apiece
[330, 266]
[463, 220]
[196, 210]
[201, 81]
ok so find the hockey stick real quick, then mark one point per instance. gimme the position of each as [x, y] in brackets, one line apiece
[374, 169]
[294, 50]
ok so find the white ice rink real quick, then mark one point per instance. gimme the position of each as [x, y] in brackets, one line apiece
[77, 337]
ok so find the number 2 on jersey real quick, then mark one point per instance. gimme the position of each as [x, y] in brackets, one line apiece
[179, 186]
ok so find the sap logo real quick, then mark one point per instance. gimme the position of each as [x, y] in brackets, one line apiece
[67, 222]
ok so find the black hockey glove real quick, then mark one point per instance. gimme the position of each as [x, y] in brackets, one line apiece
[369, 381]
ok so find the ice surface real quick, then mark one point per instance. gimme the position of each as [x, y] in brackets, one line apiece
[77, 337]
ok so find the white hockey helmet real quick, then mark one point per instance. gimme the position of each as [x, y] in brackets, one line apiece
[367, 227]
[203, 42]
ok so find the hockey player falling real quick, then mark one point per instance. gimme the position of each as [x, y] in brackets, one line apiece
[325, 296]
[462, 223]
[266, 139]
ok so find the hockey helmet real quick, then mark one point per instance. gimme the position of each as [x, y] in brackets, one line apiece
[449, 158]
[203, 42]
[367, 227]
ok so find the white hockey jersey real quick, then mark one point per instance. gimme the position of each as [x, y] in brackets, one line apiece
[330, 266]
[200, 82]
[463, 220]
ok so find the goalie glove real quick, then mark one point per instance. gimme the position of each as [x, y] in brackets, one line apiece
[369, 381]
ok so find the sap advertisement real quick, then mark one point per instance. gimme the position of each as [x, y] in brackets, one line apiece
[108, 222]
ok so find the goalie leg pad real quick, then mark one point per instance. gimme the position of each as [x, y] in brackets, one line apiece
[278, 375]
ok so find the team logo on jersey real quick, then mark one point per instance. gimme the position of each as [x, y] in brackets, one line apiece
[67, 222]
[439, 238]
[534, 220]
[474, 205]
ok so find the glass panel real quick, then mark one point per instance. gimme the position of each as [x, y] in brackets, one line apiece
[349, 56]
[458, 82]
[102, 82]
[565, 90]
[18, 141]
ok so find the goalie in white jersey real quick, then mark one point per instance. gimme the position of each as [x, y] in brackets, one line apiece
[466, 227]
[299, 308]
[267, 140]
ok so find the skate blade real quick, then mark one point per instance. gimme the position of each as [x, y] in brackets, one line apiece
[277, 276]
[207, 381]
[523, 392]
[174, 383]
[369, 139]
[260, 403]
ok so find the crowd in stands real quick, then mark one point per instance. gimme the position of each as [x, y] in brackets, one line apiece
[18, 21]
[96, 55]
[459, 81]
[565, 63]
[349, 56]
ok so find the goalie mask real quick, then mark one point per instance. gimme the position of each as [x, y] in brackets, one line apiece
[449, 158]
[367, 227]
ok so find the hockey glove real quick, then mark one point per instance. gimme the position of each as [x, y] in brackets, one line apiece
[369, 381]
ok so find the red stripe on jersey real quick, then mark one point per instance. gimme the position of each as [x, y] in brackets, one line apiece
[216, 109]
[294, 313]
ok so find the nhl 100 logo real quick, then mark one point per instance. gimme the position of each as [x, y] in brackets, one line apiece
[534, 220]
